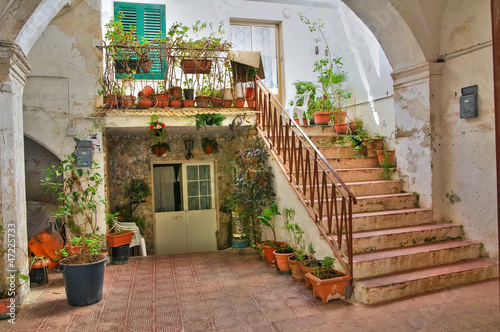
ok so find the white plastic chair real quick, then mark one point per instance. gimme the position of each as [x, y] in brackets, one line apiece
[300, 110]
[137, 239]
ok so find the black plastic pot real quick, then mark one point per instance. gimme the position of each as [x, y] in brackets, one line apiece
[189, 94]
[39, 276]
[83, 282]
[120, 254]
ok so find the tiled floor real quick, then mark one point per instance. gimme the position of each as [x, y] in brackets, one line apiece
[235, 291]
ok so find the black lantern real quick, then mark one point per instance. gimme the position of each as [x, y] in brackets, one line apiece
[189, 146]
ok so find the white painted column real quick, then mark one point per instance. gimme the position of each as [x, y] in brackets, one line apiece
[14, 68]
[415, 110]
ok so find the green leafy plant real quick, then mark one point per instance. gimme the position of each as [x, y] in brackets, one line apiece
[269, 218]
[137, 191]
[158, 132]
[295, 234]
[204, 120]
[324, 271]
[79, 199]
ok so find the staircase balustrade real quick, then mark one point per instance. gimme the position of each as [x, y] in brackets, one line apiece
[304, 166]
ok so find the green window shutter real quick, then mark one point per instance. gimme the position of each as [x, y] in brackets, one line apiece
[150, 22]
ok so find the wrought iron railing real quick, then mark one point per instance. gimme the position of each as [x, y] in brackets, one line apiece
[326, 197]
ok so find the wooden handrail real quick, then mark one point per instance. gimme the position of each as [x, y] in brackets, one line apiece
[306, 168]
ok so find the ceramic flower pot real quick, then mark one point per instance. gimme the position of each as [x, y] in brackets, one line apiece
[239, 102]
[297, 273]
[372, 145]
[146, 92]
[188, 102]
[145, 102]
[386, 158]
[227, 103]
[216, 101]
[111, 100]
[306, 267]
[202, 101]
[118, 239]
[128, 101]
[341, 128]
[176, 103]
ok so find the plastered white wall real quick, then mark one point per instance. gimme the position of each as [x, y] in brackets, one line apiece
[61, 89]
[469, 192]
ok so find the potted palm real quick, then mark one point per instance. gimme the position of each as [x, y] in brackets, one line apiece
[83, 273]
[328, 284]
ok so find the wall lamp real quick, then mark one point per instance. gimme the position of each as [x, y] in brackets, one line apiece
[189, 146]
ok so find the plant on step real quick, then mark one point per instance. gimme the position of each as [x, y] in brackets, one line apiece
[325, 271]
[295, 234]
[269, 218]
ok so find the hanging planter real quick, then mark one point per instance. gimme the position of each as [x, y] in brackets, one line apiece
[209, 145]
[160, 149]
[196, 66]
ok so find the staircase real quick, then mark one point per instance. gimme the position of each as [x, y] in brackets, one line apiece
[397, 249]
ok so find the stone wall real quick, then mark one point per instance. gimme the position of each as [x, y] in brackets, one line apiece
[130, 157]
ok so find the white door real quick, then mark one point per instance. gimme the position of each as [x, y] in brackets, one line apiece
[185, 215]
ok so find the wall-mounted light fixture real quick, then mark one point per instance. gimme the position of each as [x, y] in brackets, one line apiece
[188, 143]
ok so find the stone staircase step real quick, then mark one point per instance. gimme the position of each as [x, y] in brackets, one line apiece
[355, 175]
[353, 162]
[390, 287]
[370, 188]
[336, 152]
[378, 263]
[403, 236]
[319, 130]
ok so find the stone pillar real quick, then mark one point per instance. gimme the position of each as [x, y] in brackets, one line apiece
[14, 68]
[416, 107]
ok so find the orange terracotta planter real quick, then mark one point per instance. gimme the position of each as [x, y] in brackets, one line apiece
[239, 102]
[227, 103]
[116, 239]
[145, 102]
[176, 103]
[329, 289]
[111, 100]
[146, 92]
[341, 128]
[188, 102]
[282, 261]
[307, 269]
[202, 101]
[196, 66]
[269, 252]
[8, 307]
[128, 101]
[297, 273]
[372, 145]
[322, 118]
[216, 101]
[389, 162]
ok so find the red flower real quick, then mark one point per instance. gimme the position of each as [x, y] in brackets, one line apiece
[151, 127]
[163, 125]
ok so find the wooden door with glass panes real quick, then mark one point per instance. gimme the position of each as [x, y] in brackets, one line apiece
[185, 215]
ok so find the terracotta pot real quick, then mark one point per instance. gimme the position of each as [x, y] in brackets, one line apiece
[270, 258]
[227, 103]
[159, 149]
[389, 162]
[355, 125]
[145, 102]
[73, 250]
[372, 145]
[196, 66]
[251, 102]
[329, 289]
[297, 273]
[216, 101]
[202, 101]
[208, 149]
[249, 92]
[262, 252]
[176, 92]
[111, 100]
[239, 102]
[146, 92]
[322, 118]
[161, 100]
[307, 269]
[116, 239]
[341, 128]
[188, 102]
[282, 261]
[40, 264]
[128, 101]
[176, 103]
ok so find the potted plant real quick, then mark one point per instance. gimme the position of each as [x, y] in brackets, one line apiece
[297, 244]
[209, 145]
[386, 157]
[328, 284]
[118, 240]
[39, 271]
[331, 77]
[158, 133]
[83, 273]
[355, 122]
[204, 120]
[203, 95]
[162, 97]
[269, 219]
[373, 144]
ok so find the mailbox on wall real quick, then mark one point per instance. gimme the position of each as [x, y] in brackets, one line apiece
[84, 153]
[468, 102]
